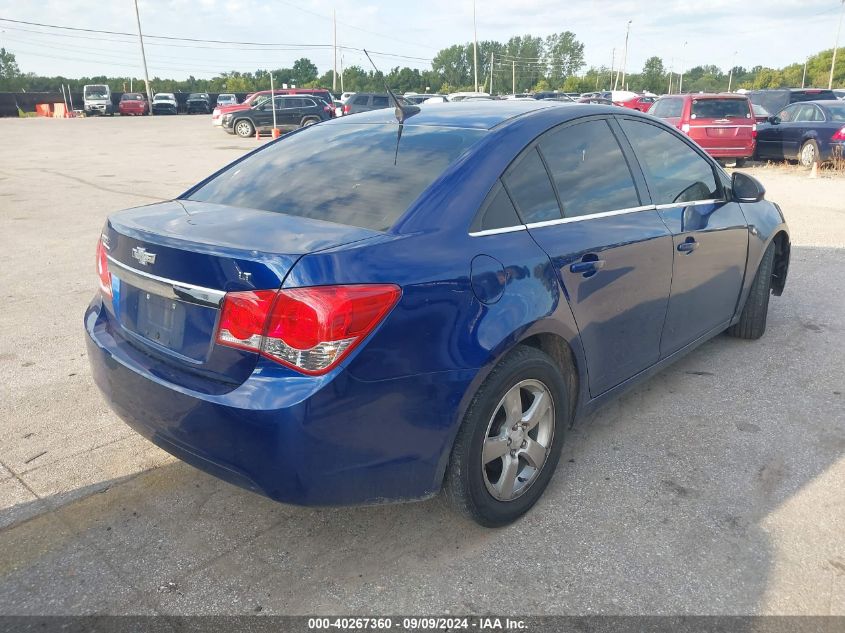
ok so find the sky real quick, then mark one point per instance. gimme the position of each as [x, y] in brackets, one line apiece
[684, 33]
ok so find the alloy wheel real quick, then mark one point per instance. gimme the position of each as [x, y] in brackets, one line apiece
[518, 439]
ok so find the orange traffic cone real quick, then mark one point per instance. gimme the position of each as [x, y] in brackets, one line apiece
[276, 132]
[257, 135]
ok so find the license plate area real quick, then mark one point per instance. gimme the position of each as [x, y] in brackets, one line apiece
[160, 320]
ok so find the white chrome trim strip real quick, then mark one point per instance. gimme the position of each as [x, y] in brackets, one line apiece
[507, 229]
[167, 287]
[589, 216]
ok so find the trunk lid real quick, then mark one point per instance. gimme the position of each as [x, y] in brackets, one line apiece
[171, 263]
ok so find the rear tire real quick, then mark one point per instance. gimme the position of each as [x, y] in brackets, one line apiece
[752, 321]
[308, 122]
[244, 128]
[740, 162]
[809, 154]
[522, 456]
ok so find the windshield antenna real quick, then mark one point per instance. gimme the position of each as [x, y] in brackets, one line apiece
[402, 110]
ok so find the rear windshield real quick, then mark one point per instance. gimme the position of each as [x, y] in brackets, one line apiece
[720, 109]
[133, 96]
[347, 174]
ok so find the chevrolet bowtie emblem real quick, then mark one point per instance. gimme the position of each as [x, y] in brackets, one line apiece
[140, 253]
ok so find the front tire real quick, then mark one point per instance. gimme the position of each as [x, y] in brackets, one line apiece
[510, 440]
[752, 321]
[244, 128]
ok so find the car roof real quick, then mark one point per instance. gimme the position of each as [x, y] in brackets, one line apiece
[483, 115]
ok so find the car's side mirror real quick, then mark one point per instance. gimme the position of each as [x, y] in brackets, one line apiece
[746, 188]
[774, 120]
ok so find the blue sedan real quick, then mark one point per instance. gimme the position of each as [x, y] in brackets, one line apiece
[809, 132]
[381, 307]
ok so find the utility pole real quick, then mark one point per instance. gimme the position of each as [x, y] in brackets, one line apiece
[731, 73]
[612, 66]
[681, 80]
[491, 72]
[474, 47]
[625, 54]
[334, 47]
[341, 74]
[671, 74]
[144, 59]
[804, 76]
[513, 63]
[835, 46]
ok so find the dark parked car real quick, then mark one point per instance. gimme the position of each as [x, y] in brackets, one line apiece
[551, 94]
[436, 314]
[165, 103]
[133, 103]
[776, 100]
[366, 101]
[596, 100]
[809, 132]
[292, 113]
[198, 102]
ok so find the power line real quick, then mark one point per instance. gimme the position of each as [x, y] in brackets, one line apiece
[210, 41]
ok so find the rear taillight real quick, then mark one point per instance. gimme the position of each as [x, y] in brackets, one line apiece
[839, 136]
[754, 131]
[308, 329]
[103, 269]
[346, 108]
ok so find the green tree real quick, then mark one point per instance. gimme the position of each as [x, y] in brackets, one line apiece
[304, 71]
[9, 71]
[653, 78]
[453, 66]
[563, 55]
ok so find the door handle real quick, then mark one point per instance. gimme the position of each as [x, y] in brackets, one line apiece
[688, 246]
[588, 265]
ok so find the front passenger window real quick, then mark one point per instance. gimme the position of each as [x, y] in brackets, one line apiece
[675, 172]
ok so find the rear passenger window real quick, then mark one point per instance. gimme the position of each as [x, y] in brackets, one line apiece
[588, 167]
[675, 172]
[531, 190]
[296, 102]
[360, 100]
[497, 213]
[380, 102]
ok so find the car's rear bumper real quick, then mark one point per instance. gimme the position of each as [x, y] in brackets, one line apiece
[306, 440]
[730, 152]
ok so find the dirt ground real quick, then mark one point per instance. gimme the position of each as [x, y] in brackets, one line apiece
[715, 488]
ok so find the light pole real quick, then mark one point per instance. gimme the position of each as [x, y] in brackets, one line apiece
[144, 59]
[731, 73]
[474, 47]
[625, 54]
[835, 46]
[683, 64]
[804, 76]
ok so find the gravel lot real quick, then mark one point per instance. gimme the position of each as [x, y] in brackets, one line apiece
[715, 488]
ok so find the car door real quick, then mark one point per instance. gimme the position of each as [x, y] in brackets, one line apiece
[613, 256]
[770, 135]
[709, 232]
[292, 113]
[793, 130]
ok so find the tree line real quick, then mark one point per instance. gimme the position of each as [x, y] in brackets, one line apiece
[521, 64]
